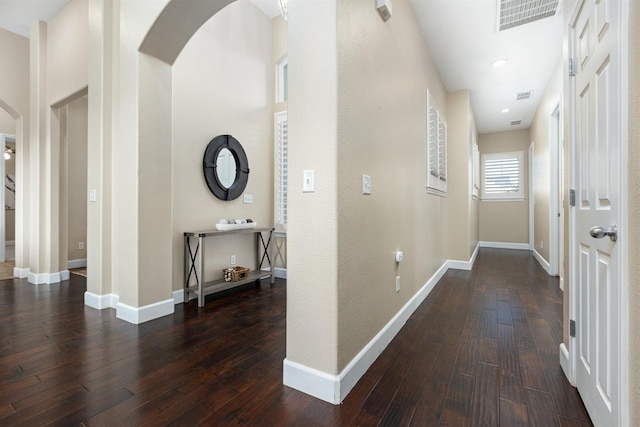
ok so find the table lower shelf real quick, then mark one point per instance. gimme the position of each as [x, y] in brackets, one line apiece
[220, 285]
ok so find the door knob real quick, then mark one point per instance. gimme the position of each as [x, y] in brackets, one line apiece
[600, 232]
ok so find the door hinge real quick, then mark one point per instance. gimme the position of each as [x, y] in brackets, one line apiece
[572, 328]
[572, 67]
[572, 197]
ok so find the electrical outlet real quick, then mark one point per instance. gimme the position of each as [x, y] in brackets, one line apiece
[233, 260]
[541, 244]
[397, 283]
[80, 245]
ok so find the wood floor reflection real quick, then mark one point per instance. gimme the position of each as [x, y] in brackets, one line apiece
[481, 350]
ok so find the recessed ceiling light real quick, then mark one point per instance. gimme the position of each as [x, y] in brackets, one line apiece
[498, 63]
[505, 110]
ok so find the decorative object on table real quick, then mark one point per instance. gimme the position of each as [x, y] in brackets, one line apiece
[233, 274]
[235, 224]
[225, 167]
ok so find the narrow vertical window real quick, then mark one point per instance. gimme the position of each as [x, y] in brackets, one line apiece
[436, 149]
[282, 80]
[281, 169]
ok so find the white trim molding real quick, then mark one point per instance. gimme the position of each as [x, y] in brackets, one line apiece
[137, 315]
[565, 363]
[76, 263]
[280, 273]
[178, 296]
[543, 262]
[100, 302]
[505, 245]
[334, 388]
[46, 278]
[20, 273]
[464, 265]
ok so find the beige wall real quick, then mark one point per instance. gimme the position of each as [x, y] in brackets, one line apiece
[312, 255]
[633, 194]
[222, 84]
[279, 50]
[462, 217]
[14, 100]
[7, 123]
[540, 134]
[379, 133]
[67, 54]
[76, 162]
[507, 221]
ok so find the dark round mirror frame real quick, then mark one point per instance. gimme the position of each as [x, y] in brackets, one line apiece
[209, 165]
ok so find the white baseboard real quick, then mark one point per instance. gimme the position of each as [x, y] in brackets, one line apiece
[464, 265]
[280, 273]
[47, 278]
[311, 381]
[178, 296]
[76, 263]
[565, 364]
[543, 262]
[20, 273]
[504, 245]
[334, 388]
[137, 315]
[100, 302]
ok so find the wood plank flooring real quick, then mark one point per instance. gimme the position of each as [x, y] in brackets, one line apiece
[481, 350]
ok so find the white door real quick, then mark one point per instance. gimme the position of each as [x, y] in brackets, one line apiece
[595, 32]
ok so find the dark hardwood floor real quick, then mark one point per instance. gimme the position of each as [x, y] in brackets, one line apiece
[481, 350]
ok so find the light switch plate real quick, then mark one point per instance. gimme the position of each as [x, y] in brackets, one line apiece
[92, 196]
[366, 184]
[308, 181]
[248, 198]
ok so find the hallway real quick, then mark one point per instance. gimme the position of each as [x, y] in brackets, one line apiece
[481, 350]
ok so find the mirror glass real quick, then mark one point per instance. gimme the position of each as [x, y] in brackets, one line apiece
[226, 168]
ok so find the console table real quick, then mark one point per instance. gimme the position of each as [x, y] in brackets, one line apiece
[194, 258]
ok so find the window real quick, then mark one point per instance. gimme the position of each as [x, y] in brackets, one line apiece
[282, 80]
[281, 168]
[502, 176]
[436, 149]
[475, 190]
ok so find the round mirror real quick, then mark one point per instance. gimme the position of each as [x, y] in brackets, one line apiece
[225, 166]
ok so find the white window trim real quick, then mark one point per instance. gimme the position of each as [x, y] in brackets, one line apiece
[279, 117]
[280, 85]
[512, 197]
[436, 147]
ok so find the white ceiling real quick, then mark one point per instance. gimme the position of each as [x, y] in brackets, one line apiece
[17, 15]
[462, 39]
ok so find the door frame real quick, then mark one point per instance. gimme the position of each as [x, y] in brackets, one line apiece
[554, 181]
[531, 154]
[569, 361]
[3, 213]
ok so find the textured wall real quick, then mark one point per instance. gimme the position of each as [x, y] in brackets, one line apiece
[383, 71]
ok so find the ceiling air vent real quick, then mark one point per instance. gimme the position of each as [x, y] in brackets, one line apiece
[512, 13]
[516, 122]
[524, 95]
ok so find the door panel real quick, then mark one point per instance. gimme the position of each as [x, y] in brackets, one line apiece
[597, 143]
